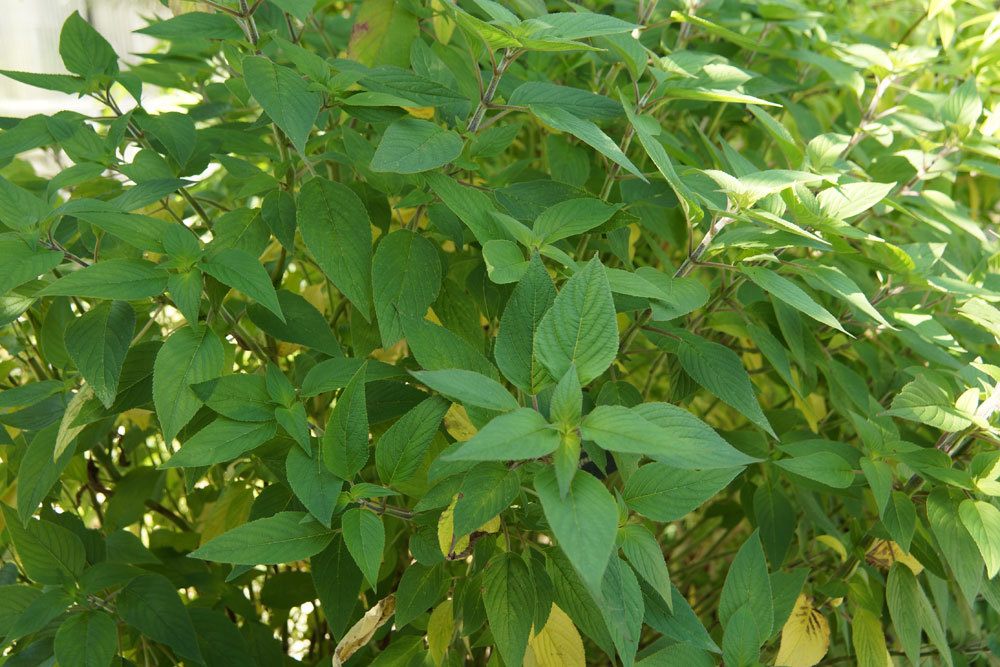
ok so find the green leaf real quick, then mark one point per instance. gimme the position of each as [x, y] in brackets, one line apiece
[238, 396]
[505, 261]
[824, 467]
[97, 342]
[284, 96]
[508, 594]
[313, 483]
[84, 51]
[336, 230]
[303, 324]
[419, 588]
[241, 270]
[521, 434]
[411, 145]
[337, 580]
[19, 209]
[776, 522]
[364, 536]
[963, 106]
[580, 328]
[982, 520]
[748, 589]
[221, 441]
[282, 538]
[911, 611]
[645, 556]
[720, 370]
[174, 130]
[406, 279]
[469, 388]
[195, 25]
[571, 217]
[151, 605]
[515, 349]
[833, 281]
[900, 519]
[345, 442]
[575, 100]
[39, 613]
[850, 199]
[189, 356]
[584, 522]
[925, 401]
[300, 9]
[587, 132]
[48, 553]
[471, 206]
[88, 639]
[123, 279]
[63, 83]
[646, 129]
[21, 263]
[784, 289]
[487, 490]
[581, 25]
[669, 297]
[664, 433]
[383, 32]
[868, 639]
[38, 472]
[622, 606]
[663, 493]
[401, 449]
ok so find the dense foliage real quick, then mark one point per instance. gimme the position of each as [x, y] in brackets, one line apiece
[507, 333]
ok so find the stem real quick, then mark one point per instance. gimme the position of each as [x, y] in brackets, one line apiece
[491, 89]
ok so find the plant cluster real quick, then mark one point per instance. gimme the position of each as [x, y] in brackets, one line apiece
[524, 333]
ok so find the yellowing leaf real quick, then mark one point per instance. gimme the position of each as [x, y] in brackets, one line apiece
[835, 544]
[444, 26]
[805, 639]
[67, 432]
[491, 526]
[230, 510]
[446, 532]
[557, 645]
[440, 628]
[457, 423]
[884, 553]
[813, 408]
[362, 632]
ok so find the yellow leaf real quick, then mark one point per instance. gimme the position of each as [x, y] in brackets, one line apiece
[392, 354]
[137, 417]
[805, 639]
[884, 553]
[446, 532]
[457, 423]
[813, 408]
[557, 645]
[440, 628]
[316, 296]
[362, 632]
[426, 113]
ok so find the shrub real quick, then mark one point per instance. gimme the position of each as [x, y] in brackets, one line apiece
[424, 334]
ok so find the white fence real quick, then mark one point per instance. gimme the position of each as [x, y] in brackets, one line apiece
[29, 41]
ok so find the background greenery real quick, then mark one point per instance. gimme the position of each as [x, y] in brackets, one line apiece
[526, 333]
